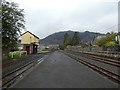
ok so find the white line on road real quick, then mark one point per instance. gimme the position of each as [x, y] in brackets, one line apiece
[40, 60]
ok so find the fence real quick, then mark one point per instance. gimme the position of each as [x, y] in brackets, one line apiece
[95, 48]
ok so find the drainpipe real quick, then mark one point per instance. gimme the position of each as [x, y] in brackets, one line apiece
[30, 45]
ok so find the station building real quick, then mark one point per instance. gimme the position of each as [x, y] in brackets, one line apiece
[30, 42]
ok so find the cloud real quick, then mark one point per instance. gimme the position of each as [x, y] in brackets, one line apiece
[44, 17]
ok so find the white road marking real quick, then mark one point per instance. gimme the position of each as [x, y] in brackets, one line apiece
[40, 60]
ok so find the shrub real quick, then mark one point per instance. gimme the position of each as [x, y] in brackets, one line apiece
[17, 54]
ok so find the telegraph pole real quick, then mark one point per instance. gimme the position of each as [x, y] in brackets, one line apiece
[119, 22]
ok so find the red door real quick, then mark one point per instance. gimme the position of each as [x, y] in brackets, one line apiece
[27, 49]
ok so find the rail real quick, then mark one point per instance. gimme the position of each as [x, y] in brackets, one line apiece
[112, 55]
[107, 73]
[9, 78]
[100, 59]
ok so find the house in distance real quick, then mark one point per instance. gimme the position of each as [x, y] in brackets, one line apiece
[30, 42]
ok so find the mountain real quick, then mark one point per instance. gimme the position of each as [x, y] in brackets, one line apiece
[57, 38]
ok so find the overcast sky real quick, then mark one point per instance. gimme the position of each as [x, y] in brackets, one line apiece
[44, 17]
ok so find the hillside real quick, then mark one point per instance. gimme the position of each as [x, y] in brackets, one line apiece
[57, 38]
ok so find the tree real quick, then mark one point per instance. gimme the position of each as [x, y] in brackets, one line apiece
[65, 37]
[68, 41]
[111, 43]
[75, 39]
[12, 25]
[109, 40]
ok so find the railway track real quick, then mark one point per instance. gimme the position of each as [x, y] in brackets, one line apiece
[13, 64]
[9, 77]
[98, 58]
[107, 55]
[115, 77]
